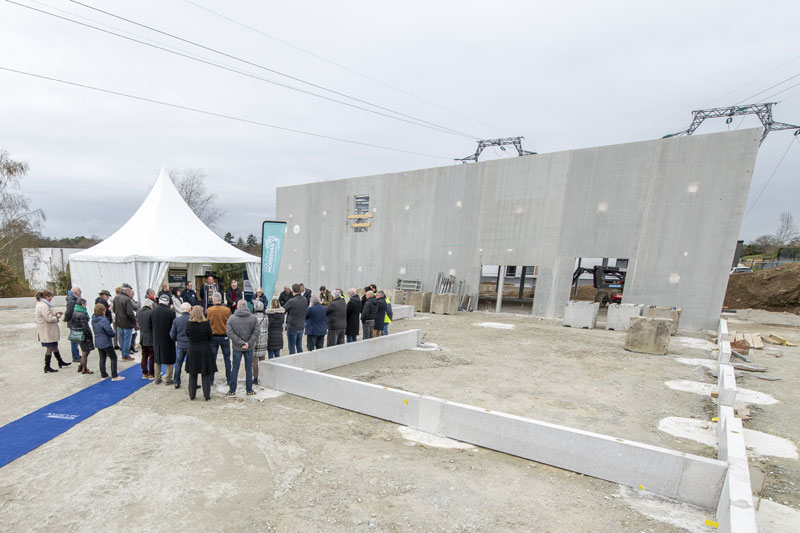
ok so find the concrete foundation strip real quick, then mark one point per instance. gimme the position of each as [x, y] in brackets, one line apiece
[735, 510]
[693, 479]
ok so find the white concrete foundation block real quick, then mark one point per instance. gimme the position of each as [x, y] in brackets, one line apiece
[722, 331]
[724, 413]
[726, 385]
[581, 314]
[648, 335]
[673, 474]
[724, 353]
[619, 315]
[395, 296]
[352, 352]
[399, 312]
[735, 510]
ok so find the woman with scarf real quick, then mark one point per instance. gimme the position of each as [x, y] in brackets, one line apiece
[79, 324]
[47, 328]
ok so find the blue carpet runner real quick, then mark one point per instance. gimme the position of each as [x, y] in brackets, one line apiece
[31, 431]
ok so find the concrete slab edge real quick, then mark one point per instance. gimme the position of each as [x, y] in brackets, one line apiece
[735, 510]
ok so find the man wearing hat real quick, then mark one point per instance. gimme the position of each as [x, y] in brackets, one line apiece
[161, 319]
[125, 319]
[102, 298]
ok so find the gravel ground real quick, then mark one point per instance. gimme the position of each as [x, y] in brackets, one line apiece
[157, 461]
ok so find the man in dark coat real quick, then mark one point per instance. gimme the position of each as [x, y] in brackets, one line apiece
[306, 293]
[336, 316]
[353, 315]
[285, 295]
[146, 338]
[296, 309]
[125, 319]
[380, 314]
[188, 294]
[163, 346]
[233, 295]
[207, 292]
[368, 310]
[102, 298]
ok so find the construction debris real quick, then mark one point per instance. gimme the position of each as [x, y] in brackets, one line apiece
[776, 339]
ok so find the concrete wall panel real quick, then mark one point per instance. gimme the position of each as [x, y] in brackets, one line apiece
[673, 207]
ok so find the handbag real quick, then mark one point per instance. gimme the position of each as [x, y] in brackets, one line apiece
[76, 335]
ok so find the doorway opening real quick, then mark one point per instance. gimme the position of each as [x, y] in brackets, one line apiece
[518, 287]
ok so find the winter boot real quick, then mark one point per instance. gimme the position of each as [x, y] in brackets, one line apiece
[61, 362]
[47, 367]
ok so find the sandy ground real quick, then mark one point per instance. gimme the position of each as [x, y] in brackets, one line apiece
[157, 461]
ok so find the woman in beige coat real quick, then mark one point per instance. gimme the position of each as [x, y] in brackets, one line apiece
[47, 328]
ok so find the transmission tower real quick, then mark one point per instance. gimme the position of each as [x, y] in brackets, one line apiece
[762, 111]
[502, 143]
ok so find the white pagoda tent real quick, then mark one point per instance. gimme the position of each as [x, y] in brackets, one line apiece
[164, 233]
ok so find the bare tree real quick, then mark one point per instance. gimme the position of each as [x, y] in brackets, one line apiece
[191, 184]
[18, 222]
[787, 229]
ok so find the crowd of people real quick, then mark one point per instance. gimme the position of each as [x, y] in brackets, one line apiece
[185, 332]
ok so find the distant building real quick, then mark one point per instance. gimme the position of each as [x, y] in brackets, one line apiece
[42, 265]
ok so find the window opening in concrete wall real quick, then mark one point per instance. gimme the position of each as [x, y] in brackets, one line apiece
[519, 284]
[599, 279]
[361, 207]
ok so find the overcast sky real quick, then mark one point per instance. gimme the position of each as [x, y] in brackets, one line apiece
[563, 74]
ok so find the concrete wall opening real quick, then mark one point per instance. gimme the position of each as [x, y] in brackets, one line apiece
[599, 279]
[518, 287]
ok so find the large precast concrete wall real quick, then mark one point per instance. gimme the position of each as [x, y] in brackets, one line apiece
[673, 207]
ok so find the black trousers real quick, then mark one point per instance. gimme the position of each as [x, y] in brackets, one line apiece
[315, 342]
[206, 380]
[111, 354]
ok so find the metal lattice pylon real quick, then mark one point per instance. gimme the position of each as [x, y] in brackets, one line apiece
[762, 111]
[506, 141]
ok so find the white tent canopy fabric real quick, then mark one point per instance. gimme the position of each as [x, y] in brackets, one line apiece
[163, 230]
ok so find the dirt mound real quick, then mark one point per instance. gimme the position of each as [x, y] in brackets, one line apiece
[775, 289]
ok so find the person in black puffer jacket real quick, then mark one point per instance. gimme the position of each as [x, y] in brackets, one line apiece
[276, 316]
[353, 315]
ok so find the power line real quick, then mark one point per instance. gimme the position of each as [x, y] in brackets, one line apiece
[343, 67]
[215, 114]
[441, 129]
[747, 83]
[770, 97]
[767, 89]
[251, 63]
[764, 188]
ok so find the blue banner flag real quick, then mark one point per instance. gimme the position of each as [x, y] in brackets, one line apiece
[271, 247]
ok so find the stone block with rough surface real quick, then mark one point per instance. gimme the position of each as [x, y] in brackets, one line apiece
[648, 335]
[444, 304]
[672, 313]
[420, 300]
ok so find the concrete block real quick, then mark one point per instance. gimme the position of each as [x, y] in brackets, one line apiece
[420, 300]
[724, 354]
[619, 315]
[672, 313]
[581, 314]
[722, 331]
[400, 312]
[735, 510]
[723, 414]
[726, 385]
[445, 304]
[352, 352]
[374, 400]
[648, 335]
[689, 478]
[396, 296]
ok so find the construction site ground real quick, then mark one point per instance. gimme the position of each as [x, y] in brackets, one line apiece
[157, 461]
